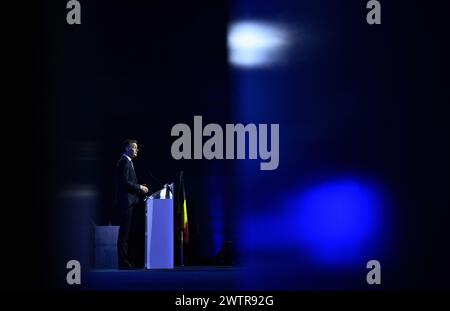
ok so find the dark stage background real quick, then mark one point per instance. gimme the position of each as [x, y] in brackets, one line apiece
[363, 118]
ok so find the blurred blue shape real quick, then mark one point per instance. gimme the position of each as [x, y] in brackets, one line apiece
[339, 220]
[106, 246]
[315, 237]
[217, 197]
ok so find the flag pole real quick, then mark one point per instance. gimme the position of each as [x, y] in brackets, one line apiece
[181, 250]
[180, 208]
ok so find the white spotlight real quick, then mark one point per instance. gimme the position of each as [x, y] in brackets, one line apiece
[256, 44]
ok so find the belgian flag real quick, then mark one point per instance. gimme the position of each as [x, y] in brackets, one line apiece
[182, 212]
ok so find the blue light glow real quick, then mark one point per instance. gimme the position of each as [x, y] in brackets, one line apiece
[339, 221]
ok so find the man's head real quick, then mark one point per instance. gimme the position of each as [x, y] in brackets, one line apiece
[130, 148]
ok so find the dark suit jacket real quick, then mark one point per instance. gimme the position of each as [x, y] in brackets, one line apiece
[127, 187]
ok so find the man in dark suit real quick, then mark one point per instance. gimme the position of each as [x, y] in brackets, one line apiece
[127, 198]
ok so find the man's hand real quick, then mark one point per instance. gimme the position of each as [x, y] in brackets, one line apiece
[143, 188]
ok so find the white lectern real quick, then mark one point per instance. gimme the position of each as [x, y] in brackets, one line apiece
[159, 231]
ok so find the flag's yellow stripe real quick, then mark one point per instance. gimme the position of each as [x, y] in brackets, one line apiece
[185, 218]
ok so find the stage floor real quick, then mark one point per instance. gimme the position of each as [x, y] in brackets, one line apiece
[189, 278]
